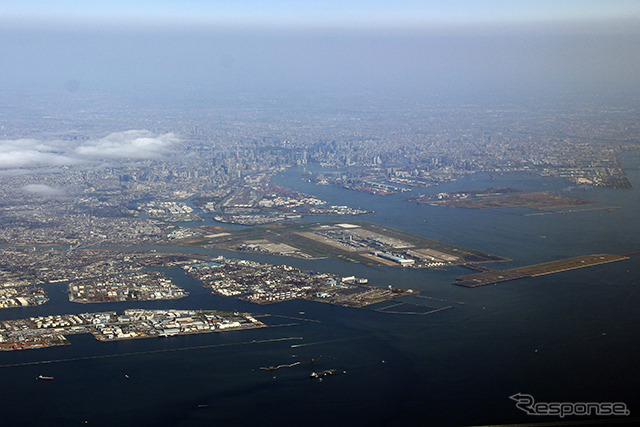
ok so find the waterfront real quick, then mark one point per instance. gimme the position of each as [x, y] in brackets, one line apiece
[571, 336]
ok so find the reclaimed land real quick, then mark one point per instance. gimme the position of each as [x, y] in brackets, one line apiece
[536, 201]
[310, 243]
[49, 331]
[495, 276]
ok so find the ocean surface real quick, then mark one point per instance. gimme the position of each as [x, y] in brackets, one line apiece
[567, 337]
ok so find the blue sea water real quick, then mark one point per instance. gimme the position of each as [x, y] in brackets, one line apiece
[570, 337]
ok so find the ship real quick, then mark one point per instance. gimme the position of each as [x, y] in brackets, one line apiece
[42, 377]
[320, 375]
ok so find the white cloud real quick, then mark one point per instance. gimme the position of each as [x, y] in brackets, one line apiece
[25, 153]
[131, 144]
[43, 190]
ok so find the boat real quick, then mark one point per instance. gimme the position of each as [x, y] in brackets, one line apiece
[320, 375]
[42, 377]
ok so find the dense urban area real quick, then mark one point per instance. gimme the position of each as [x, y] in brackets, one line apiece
[99, 185]
[72, 199]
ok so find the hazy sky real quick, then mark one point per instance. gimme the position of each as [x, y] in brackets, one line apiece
[326, 13]
[164, 48]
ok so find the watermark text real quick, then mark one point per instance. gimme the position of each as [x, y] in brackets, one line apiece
[527, 404]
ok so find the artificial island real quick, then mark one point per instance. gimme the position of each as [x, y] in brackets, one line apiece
[490, 276]
[98, 276]
[361, 242]
[48, 331]
[494, 198]
[266, 283]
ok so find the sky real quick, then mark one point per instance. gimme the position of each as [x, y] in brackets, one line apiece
[315, 13]
[164, 49]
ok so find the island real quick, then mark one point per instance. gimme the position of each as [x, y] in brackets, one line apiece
[21, 296]
[260, 203]
[98, 276]
[138, 286]
[267, 283]
[48, 331]
[489, 276]
[361, 242]
[492, 198]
